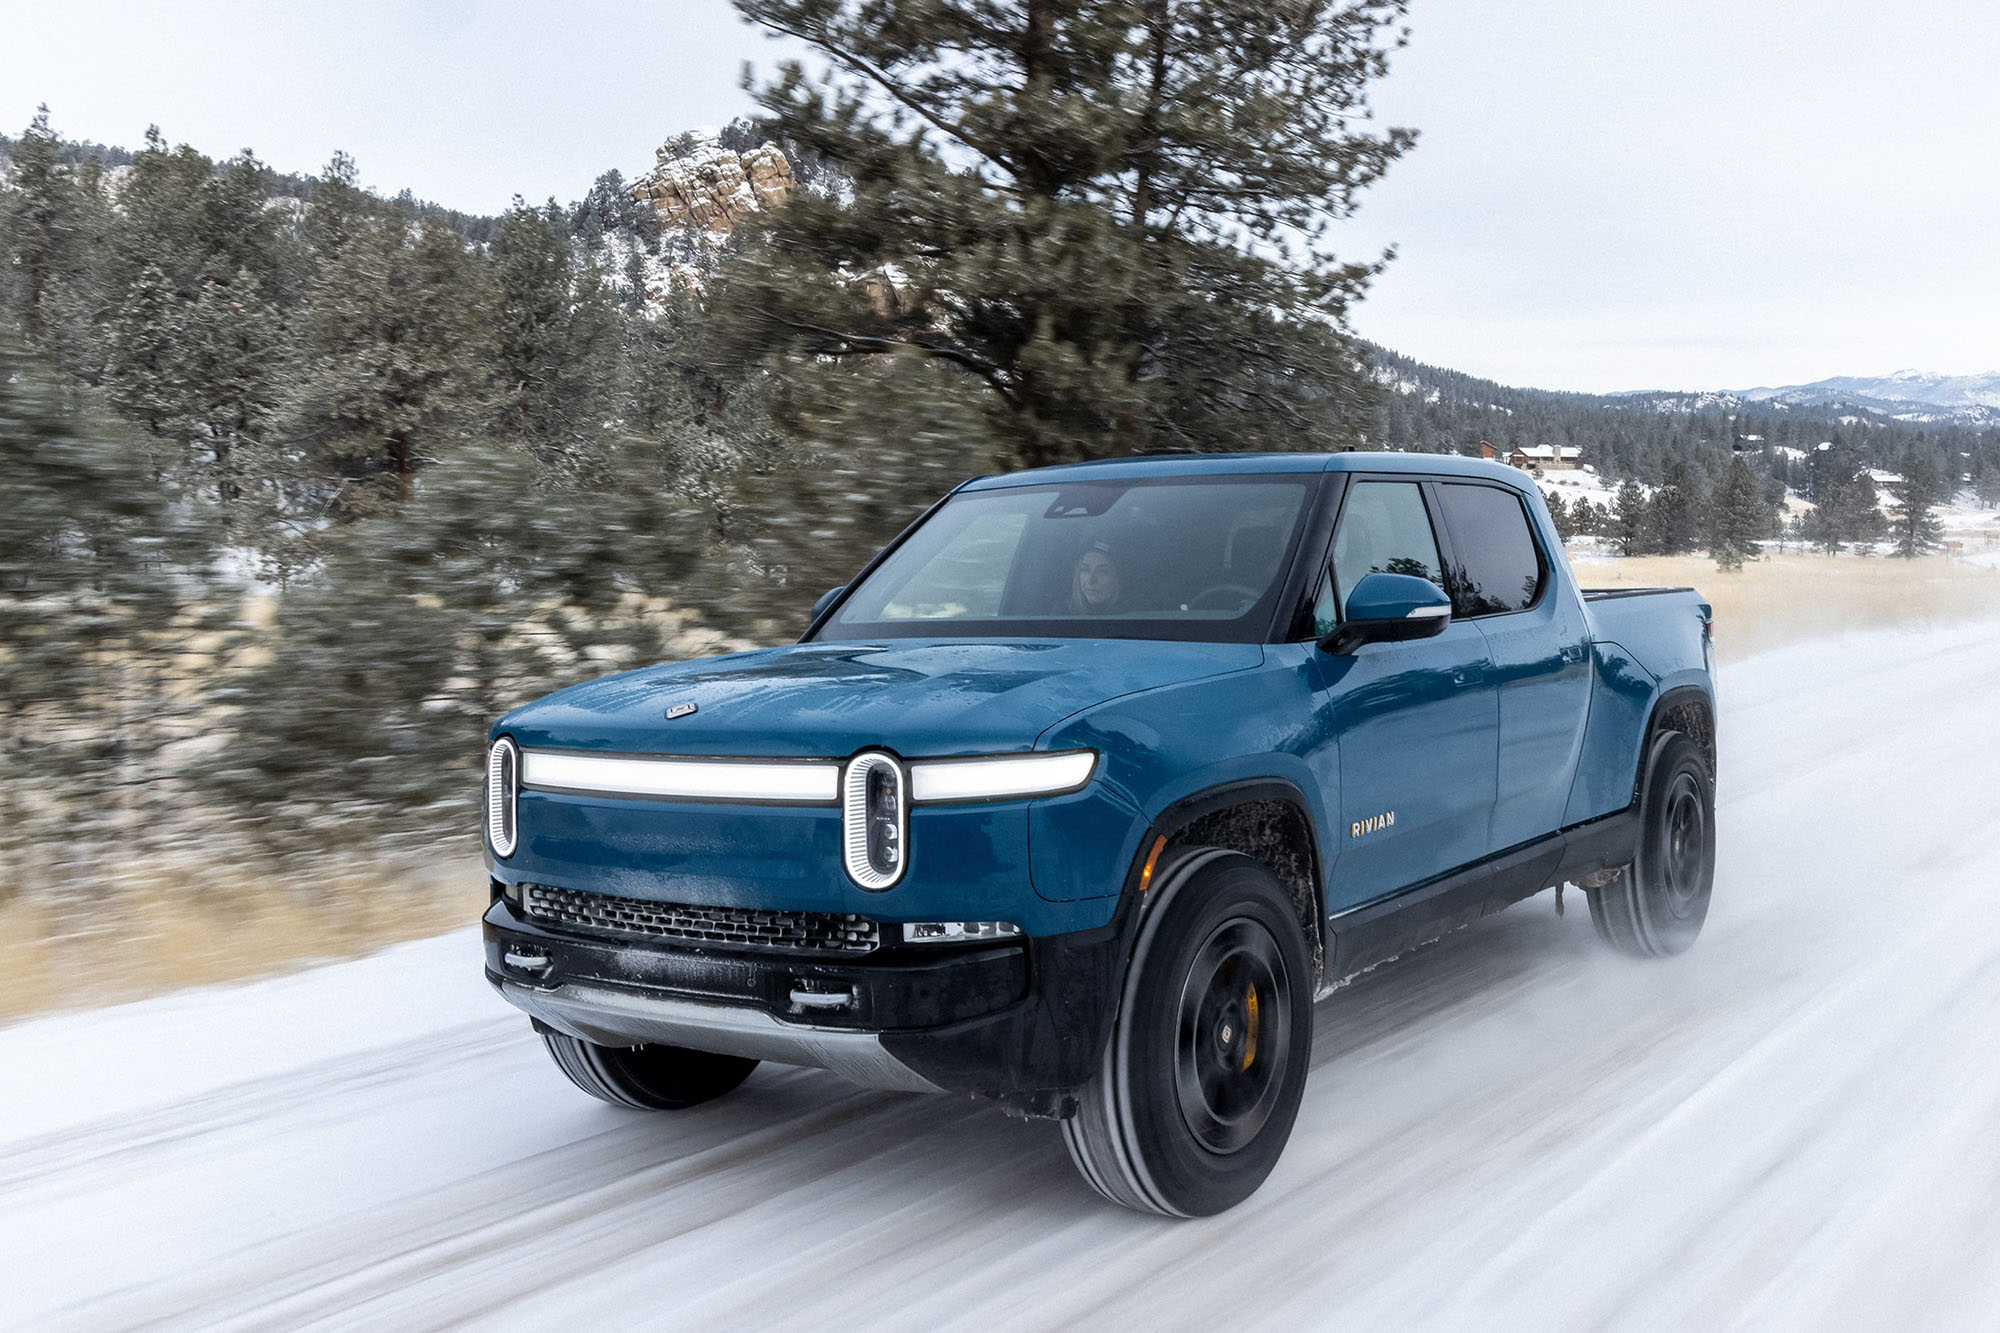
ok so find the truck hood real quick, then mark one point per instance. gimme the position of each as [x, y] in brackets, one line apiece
[913, 696]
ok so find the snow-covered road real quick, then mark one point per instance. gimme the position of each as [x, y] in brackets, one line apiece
[1797, 1125]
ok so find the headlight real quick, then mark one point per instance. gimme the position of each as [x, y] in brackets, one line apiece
[1004, 777]
[874, 819]
[954, 932]
[503, 779]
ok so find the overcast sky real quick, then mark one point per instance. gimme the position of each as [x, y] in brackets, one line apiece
[1648, 193]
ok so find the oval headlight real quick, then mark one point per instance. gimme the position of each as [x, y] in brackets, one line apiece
[503, 781]
[875, 822]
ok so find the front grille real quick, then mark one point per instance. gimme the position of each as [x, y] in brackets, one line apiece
[739, 927]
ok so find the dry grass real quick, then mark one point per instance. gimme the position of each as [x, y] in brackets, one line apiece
[1783, 599]
[149, 937]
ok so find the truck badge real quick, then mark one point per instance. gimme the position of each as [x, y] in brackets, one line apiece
[679, 710]
[1372, 824]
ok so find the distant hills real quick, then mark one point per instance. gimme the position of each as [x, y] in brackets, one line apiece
[1907, 396]
[1950, 393]
[1434, 409]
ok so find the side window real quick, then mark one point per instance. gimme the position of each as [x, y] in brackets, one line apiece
[1496, 567]
[1384, 529]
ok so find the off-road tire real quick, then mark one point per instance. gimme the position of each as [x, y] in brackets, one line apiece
[1181, 1118]
[1657, 906]
[646, 1078]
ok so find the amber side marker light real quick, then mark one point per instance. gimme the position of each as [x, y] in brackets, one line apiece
[1152, 859]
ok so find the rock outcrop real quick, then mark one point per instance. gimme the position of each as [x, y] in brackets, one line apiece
[704, 186]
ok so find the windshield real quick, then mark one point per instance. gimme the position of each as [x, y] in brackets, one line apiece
[1197, 558]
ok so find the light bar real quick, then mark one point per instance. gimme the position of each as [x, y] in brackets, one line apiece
[811, 783]
[957, 932]
[1000, 778]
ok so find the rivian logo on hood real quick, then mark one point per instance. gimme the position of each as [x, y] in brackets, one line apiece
[679, 710]
[1372, 824]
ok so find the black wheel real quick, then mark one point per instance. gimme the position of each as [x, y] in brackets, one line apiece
[646, 1078]
[1656, 908]
[1195, 1096]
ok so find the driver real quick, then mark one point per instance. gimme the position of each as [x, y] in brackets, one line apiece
[1095, 589]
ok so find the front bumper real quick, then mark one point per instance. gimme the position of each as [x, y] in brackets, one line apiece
[1023, 1022]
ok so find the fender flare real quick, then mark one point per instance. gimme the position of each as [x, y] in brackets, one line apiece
[1667, 702]
[1180, 814]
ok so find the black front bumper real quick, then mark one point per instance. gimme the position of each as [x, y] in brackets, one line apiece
[1023, 1022]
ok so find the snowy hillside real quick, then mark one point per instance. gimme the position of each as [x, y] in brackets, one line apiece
[1905, 386]
[1910, 396]
[1788, 1128]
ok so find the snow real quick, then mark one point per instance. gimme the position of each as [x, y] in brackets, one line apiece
[1788, 1128]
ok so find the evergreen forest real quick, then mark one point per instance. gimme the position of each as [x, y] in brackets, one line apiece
[305, 484]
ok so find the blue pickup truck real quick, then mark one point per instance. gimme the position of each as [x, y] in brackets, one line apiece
[1089, 785]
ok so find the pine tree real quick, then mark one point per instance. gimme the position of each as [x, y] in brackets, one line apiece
[1848, 513]
[337, 208]
[1676, 512]
[398, 346]
[1559, 514]
[199, 338]
[52, 219]
[1737, 516]
[1986, 482]
[1586, 518]
[161, 224]
[1630, 519]
[1860, 513]
[557, 335]
[1916, 531]
[1113, 218]
[143, 362]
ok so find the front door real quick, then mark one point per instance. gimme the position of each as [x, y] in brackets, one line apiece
[1416, 723]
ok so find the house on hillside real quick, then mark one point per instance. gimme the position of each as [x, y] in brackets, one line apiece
[1888, 491]
[1545, 457]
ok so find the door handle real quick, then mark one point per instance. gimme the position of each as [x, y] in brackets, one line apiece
[1574, 652]
[1467, 676]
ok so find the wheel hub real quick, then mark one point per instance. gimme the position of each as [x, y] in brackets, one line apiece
[1231, 1052]
[1684, 841]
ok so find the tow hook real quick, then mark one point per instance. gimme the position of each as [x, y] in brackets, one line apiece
[818, 997]
[534, 962]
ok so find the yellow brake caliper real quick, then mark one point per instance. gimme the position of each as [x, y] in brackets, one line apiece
[1250, 1028]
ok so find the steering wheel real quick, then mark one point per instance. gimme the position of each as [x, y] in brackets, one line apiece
[1216, 598]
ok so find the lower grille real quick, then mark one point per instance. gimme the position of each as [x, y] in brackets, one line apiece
[739, 927]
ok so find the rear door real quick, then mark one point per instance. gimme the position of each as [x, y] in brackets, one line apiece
[1503, 581]
[1417, 724]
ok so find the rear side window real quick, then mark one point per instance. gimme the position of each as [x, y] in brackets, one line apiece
[1384, 529]
[1496, 566]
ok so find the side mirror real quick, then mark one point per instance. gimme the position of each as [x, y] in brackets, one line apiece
[826, 599]
[1390, 608]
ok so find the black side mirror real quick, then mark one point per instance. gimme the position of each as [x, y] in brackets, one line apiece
[827, 599]
[1389, 608]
